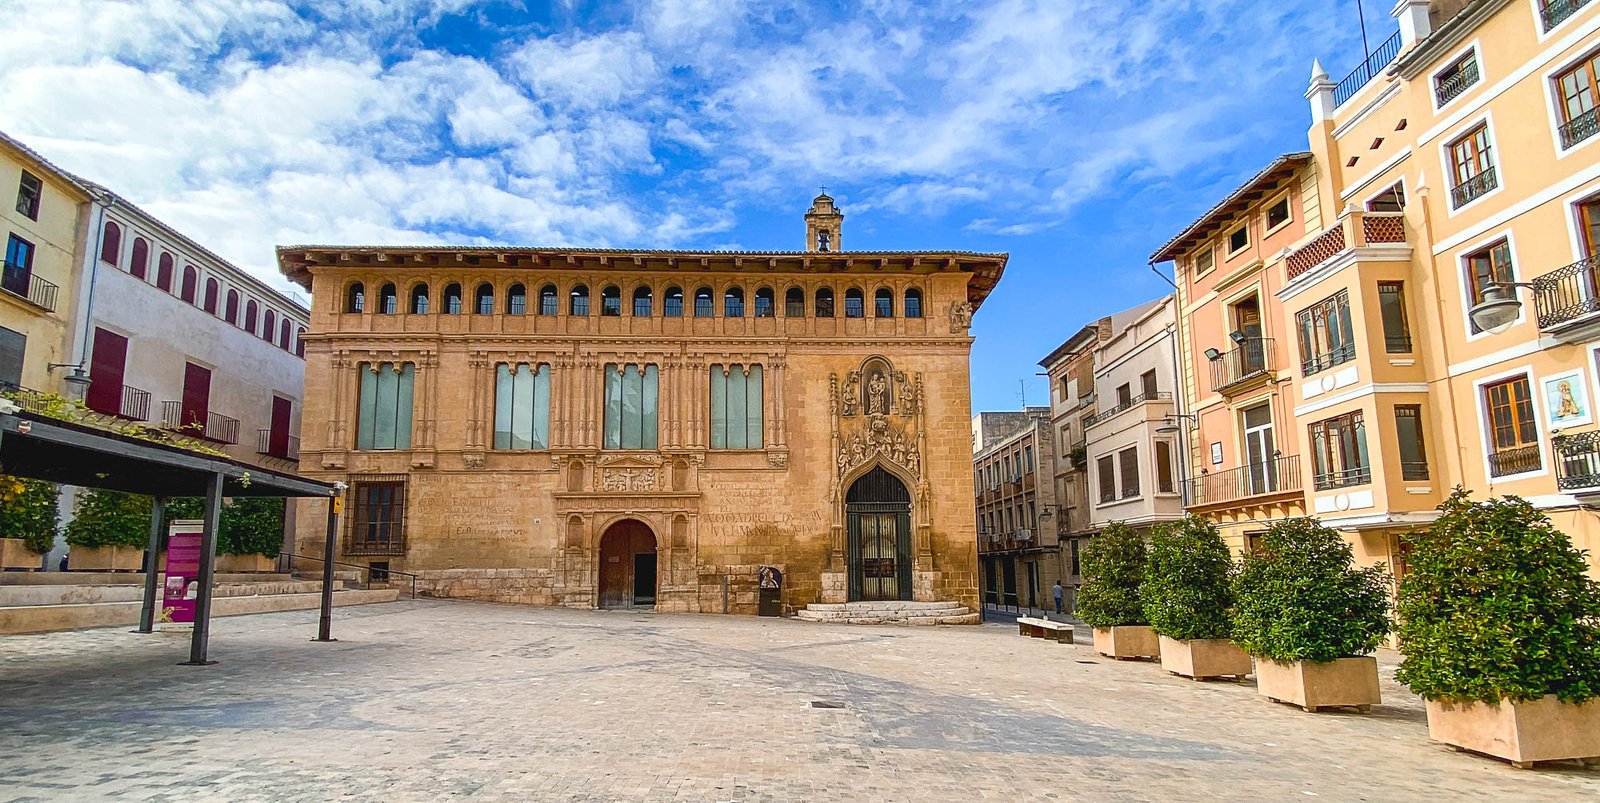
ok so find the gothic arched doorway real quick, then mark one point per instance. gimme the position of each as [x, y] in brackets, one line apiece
[878, 526]
[628, 566]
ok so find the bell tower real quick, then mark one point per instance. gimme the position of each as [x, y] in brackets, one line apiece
[824, 224]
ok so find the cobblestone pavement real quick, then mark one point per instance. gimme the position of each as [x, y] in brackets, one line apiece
[433, 700]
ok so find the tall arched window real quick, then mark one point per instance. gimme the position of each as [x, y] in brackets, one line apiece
[388, 300]
[230, 310]
[913, 307]
[270, 322]
[883, 303]
[794, 303]
[733, 302]
[213, 289]
[300, 342]
[250, 316]
[140, 264]
[764, 303]
[643, 302]
[284, 334]
[549, 300]
[452, 299]
[855, 303]
[703, 306]
[355, 297]
[611, 301]
[111, 243]
[824, 302]
[672, 302]
[483, 299]
[419, 300]
[580, 302]
[191, 283]
[517, 300]
[164, 272]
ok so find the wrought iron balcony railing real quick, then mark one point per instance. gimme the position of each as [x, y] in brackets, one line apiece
[1364, 72]
[1518, 460]
[1104, 415]
[1274, 475]
[1577, 460]
[1555, 12]
[1318, 363]
[1453, 86]
[1566, 294]
[1413, 471]
[1252, 358]
[1580, 128]
[215, 427]
[1473, 188]
[1360, 475]
[21, 282]
[135, 404]
[273, 444]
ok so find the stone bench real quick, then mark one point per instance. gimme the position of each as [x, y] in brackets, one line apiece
[1044, 628]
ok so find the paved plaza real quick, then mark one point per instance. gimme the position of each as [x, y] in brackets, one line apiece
[434, 700]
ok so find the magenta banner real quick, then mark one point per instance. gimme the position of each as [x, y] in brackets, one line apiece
[183, 572]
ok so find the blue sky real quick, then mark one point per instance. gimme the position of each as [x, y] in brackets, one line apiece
[1077, 135]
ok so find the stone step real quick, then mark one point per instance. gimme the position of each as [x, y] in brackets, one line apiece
[955, 619]
[889, 613]
[20, 596]
[45, 618]
[122, 578]
[891, 605]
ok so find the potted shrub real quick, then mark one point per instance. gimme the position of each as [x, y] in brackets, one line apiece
[1501, 632]
[249, 535]
[1310, 617]
[108, 532]
[1188, 599]
[1108, 601]
[28, 519]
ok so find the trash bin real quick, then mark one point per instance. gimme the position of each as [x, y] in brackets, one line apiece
[770, 599]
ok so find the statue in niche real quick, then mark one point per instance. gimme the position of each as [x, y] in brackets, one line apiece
[960, 316]
[852, 392]
[877, 394]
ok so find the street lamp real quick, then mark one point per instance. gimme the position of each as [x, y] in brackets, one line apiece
[77, 381]
[1172, 422]
[1498, 307]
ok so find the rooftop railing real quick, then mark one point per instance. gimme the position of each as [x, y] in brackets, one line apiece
[1367, 70]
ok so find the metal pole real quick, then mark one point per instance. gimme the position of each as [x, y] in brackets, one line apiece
[208, 564]
[325, 619]
[1366, 52]
[152, 562]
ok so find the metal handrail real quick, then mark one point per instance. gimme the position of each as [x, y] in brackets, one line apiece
[288, 566]
[1580, 128]
[1275, 475]
[291, 450]
[1126, 406]
[25, 284]
[1251, 359]
[1452, 87]
[1367, 70]
[1555, 12]
[1474, 188]
[1568, 293]
[1515, 460]
[1345, 478]
[1577, 460]
[217, 427]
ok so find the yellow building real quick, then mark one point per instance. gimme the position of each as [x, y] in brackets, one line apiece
[44, 254]
[1437, 311]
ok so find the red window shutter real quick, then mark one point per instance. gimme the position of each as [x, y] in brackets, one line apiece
[106, 367]
[196, 395]
[278, 439]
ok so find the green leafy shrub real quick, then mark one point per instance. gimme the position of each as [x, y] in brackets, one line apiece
[1497, 605]
[1113, 568]
[1300, 598]
[109, 518]
[1187, 592]
[251, 525]
[31, 514]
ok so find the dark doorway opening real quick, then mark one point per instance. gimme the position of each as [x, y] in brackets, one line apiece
[878, 527]
[628, 566]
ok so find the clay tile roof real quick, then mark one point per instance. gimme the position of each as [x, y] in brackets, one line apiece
[1219, 215]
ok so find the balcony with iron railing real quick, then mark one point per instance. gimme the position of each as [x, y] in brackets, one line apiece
[1355, 230]
[132, 404]
[1272, 476]
[1368, 69]
[1317, 363]
[1555, 12]
[1344, 478]
[1106, 415]
[21, 282]
[215, 427]
[1579, 128]
[1241, 366]
[1515, 460]
[1452, 87]
[1474, 188]
[1577, 460]
[1567, 299]
[277, 444]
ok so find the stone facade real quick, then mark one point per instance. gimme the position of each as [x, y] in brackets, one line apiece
[869, 391]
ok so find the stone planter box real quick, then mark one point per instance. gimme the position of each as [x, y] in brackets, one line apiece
[1312, 685]
[243, 564]
[13, 555]
[105, 559]
[1204, 658]
[1521, 733]
[1124, 642]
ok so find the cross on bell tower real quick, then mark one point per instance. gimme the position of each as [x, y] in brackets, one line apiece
[824, 224]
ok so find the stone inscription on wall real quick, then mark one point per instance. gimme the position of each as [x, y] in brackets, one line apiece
[737, 509]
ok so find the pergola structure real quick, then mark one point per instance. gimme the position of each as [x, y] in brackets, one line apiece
[43, 447]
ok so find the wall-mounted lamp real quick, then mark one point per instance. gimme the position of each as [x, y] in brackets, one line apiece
[1236, 336]
[1172, 422]
[1213, 355]
[1499, 308]
[77, 381]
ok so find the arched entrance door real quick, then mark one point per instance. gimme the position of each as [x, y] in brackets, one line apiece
[878, 526]
[628, 566]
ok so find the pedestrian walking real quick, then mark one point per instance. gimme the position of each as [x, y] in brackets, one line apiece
[1055, 591]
